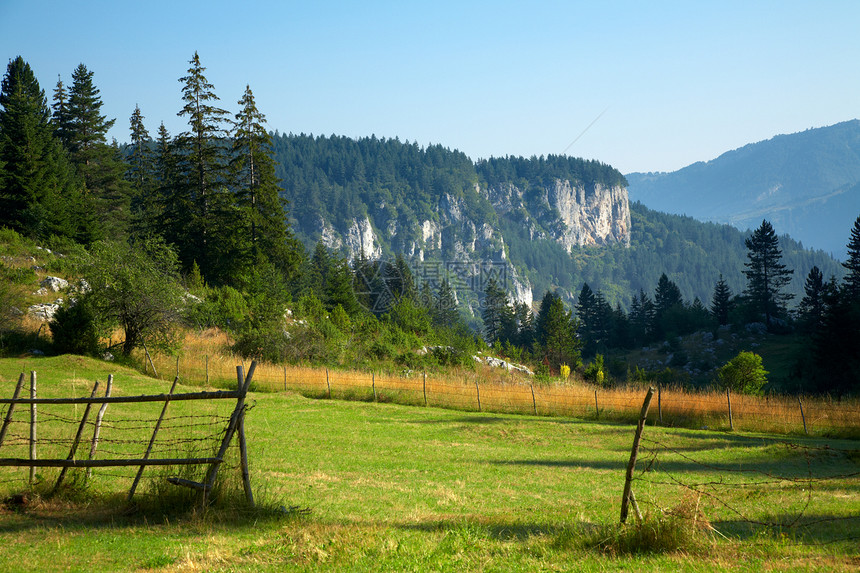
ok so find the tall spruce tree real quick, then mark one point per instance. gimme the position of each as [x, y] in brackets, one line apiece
[60, 112]
[210, 224]
[811, 309]
[97, 162]
[496, 311]
[140, 173]
[257, 189]
[852, 279]
[766, 275]
[38, 194]
[555, 337]
[721, 302]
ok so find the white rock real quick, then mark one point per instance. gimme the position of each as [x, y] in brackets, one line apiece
[54, 284]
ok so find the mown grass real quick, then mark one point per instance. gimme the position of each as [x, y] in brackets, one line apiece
[392, 487]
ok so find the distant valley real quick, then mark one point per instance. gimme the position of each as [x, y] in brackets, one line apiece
[806, 184]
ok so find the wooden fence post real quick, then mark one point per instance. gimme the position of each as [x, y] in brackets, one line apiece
[534, 402]
[373, 384]
[660, 403]
[146, 352]
[32, 425]
[243, 447]
[327, 383]
[802, 416]
[152, 440]
[238, 411]
[425, 388]
[285, 377]
[8, 419]
[77, 440]
[626, 498]
[98, 427]
[596, 408]
[478, 394]
[729, 400]
[177, 366]
[207, 370]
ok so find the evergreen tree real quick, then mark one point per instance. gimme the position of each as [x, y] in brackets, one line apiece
[60, 112]
[721, 302]
[766, 275]
[852, 279]
[210, 223]
[445, 313]
[258, 190]
[555, 335]
[98, 163]
[642, 318]
[141, 174]
[38, 194]
[495, 312]
[811, 308]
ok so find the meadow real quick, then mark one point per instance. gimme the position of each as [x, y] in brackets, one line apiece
[369, 486]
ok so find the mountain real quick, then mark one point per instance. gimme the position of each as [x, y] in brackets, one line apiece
[537, 224]
[806, 184]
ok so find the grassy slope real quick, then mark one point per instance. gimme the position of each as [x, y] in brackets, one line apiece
[404, 488]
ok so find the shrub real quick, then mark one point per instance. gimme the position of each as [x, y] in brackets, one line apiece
[594, 372]
[744, 374]
[74, 329]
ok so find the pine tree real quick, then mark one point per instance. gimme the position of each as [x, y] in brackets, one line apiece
[852, 279]
[721, 302]
[38, 195]
[445, 313]
[98, 163]
[766, 275]
[141, 174]
[258, 190]
[496, 308]
[202, 152]
[812, 307]
[60, 112]
[555, 335]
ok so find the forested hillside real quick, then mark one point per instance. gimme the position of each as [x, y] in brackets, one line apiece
[332, 181]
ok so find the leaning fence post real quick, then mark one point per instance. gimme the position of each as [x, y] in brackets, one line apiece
[77, 440]
[98, 428]
[478, 394]
[238, 411]
[534, 402]
[631, 465]
[802, 416]
[32, 425]
[243, 447]
[152, 440]
[149, 357]
[729, 400]
[8, 419]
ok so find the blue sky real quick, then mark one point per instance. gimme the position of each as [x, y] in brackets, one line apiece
[669, 83]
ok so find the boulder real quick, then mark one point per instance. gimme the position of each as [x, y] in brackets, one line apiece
[54, 284]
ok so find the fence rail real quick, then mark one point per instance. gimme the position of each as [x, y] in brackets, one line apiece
[505, 392]
[139, 427]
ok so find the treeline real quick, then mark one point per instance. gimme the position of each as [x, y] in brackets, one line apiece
[827, 318]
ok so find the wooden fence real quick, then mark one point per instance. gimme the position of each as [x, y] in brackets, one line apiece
[235, 426]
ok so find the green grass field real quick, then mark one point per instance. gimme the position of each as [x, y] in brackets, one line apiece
[391, 487]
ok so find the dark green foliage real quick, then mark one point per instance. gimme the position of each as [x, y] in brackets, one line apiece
[766, 274]
[74, 328]
[812, 307]
[555, 334]
[38, 193]
[141, 174]
[852, 279]
[256, 189]
[721, 302]
[496, 312]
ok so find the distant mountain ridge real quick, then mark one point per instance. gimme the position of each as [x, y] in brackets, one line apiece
[806, 184]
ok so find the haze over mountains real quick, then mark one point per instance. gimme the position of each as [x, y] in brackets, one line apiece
[806, 184]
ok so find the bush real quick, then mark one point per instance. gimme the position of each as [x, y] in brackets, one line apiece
[743, 374]
[74, 329]
[224, 307]
[595, 372]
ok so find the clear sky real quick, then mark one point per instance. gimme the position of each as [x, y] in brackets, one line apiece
[668, 83]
